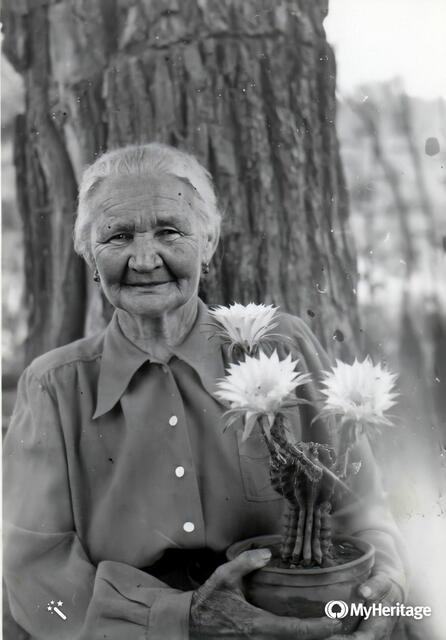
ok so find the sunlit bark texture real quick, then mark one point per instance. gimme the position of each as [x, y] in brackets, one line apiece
[247, 86]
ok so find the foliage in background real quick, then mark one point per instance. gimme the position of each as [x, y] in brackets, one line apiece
[394, 154]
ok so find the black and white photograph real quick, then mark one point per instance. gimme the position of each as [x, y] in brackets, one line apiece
[224, 319]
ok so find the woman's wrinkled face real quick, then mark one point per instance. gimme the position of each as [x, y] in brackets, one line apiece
[148, 243]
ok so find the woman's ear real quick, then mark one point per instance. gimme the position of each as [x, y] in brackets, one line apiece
[211, 241]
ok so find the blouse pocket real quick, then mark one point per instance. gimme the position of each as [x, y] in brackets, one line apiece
[254, 467]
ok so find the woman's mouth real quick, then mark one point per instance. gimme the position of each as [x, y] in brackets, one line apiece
[147, 284]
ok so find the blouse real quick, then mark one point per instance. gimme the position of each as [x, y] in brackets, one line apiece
[112, 458]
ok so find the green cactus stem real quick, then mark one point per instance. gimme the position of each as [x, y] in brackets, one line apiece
[290, 524]
[297, 473]
[325, 534]
[316, 540]
[347, 440]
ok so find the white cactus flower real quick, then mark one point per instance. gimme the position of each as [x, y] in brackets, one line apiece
[361, 392]
[260, 386]
[245, 326]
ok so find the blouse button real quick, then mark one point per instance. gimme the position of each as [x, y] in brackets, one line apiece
[173, 420]
[179, 472]
[188, 527]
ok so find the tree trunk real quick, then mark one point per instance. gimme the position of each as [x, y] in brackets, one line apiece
[249, 87]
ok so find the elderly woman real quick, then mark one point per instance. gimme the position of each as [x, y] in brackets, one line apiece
[123, 491]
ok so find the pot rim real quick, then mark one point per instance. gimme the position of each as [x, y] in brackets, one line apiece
[367, 557]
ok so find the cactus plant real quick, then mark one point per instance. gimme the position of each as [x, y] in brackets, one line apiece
[263, 391]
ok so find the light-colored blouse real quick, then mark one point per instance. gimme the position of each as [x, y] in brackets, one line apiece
[112, 458]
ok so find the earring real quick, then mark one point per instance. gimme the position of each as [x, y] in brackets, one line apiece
[205, 268]
[96, 276]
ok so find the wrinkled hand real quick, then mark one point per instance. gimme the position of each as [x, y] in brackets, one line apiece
[219, 608]
[378, 588]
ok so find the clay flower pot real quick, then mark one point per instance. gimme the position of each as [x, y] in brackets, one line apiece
[303, 593]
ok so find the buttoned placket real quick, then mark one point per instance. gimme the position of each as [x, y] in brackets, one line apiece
[190, 510]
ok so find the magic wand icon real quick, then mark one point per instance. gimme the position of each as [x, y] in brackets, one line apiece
[55, 609]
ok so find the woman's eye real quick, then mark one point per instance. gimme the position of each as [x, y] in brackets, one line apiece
[169, 232]
[119, 238]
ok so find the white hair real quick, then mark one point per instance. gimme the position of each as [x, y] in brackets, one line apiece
[153, 159]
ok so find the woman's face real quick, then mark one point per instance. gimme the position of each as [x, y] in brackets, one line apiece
[148, 243]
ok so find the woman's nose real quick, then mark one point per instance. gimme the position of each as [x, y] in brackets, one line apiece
[145, 256]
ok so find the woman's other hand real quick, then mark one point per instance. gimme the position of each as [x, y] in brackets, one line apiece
[219, 608]
[378, 588]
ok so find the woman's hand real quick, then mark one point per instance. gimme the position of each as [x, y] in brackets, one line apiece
[378, 588]
[220, 610]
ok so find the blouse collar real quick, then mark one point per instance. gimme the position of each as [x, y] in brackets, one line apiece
[121, 358]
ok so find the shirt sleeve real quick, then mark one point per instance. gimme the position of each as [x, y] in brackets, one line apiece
[54, 590]
[365, 512]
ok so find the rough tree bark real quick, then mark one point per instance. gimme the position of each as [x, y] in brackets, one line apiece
[47, 195]
[247, 86]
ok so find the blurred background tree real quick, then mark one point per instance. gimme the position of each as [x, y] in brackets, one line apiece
[397, 196]
[393, 149]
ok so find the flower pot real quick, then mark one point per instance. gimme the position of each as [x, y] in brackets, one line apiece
[303, 593]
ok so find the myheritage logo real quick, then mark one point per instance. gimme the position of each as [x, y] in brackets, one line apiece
[339, 609]
[336, 609]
